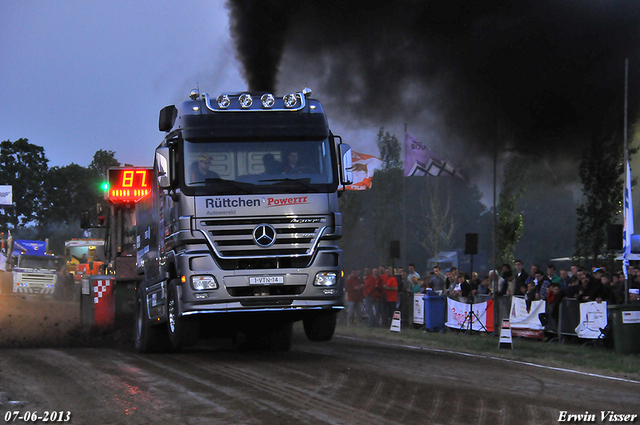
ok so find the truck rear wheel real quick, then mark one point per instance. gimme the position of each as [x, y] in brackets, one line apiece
[183, 331]
[320, 327]
[148, 339]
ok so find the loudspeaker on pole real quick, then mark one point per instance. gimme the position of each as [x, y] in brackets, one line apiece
[471, 243]
[394, 249]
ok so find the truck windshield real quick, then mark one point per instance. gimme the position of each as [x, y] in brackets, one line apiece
[259, 167]
[42, 262]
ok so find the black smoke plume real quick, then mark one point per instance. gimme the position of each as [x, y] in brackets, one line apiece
[259, 29]
[540, 77]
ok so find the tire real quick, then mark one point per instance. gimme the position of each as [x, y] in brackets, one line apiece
[147, 338]
[182, 331]
[320, 327]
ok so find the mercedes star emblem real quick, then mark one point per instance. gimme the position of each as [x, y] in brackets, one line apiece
[264, 235]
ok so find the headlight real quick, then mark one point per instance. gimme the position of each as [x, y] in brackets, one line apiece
[325, 279]
[203, 283]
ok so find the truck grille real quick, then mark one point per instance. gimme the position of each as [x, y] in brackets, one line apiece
[234, 238]
[35, 283]
[296, 239]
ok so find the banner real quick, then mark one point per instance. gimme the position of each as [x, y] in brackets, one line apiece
[6, 196]
[418, 308]
[593, 317]
[526, 323]
[363, 167]
[420, 161]
[458, 316]
[21, 246]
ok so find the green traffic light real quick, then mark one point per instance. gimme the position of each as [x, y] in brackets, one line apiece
[105, 186]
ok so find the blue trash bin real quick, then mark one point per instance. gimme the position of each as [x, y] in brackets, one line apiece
[434, 306]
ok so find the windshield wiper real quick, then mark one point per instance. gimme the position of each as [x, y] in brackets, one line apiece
[301, 182]
[231, 183]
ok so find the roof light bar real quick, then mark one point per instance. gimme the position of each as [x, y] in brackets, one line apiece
[268, 102]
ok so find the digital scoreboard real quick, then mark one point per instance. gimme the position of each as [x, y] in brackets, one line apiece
[128, 184]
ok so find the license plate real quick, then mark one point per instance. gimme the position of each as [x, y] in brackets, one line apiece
[266, 280]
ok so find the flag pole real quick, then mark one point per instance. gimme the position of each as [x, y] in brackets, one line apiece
[497, 317]
[627, 170]
[405, 297]
[404, 205]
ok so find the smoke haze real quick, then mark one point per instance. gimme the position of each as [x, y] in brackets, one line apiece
[537, 77]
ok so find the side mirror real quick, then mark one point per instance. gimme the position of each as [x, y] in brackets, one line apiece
[162, 167]
[167, 118]
[346, 172]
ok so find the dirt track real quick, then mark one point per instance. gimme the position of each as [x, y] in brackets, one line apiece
[33, 320]
[345, 381]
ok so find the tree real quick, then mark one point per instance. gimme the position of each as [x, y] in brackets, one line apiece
[103, 160]
[600, 171]
[386, 187]
[510, 221]
[24, 167]
[550, 213]
[390, 151]
[69, 191]
[435, 228]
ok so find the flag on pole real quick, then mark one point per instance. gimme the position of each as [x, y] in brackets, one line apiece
[421, 161]
[628, 222]
[363, 167]
[6, 198]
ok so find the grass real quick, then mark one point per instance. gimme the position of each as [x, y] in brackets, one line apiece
[571, 354]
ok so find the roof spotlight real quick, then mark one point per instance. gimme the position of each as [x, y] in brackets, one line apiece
[223, 101]
[290, 100]
[245, 101]
[268, 100]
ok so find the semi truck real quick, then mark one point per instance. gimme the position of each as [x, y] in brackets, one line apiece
[34, 270]
[238, 236]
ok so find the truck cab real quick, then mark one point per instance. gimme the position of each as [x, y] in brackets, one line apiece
[34, 271]
[240, 230]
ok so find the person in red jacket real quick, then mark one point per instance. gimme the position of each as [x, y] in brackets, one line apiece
[391, 295]
[372, 296]
[353, 288]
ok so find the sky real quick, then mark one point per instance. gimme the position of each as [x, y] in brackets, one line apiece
[80, 76]
[536, 78]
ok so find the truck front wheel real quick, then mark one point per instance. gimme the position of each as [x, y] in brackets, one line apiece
[320, 327]
[183, 331]
[148, 339]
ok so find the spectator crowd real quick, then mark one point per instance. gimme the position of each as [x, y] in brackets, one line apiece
[374, 294]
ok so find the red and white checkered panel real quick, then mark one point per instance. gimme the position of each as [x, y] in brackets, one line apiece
[99, 288]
